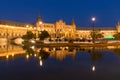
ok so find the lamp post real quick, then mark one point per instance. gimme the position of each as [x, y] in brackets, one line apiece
[93, 32]
[93, 20]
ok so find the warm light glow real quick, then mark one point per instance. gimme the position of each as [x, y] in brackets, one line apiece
[93, 68]
[7, 26]
[35, 55]
[41, 63]
[31, 27]
[40, 22]
[12, 55]
[30, 54]
[39, 32]
[33, 47]
[66, 47]
[93, 19]
[27, 26]
[12, 27]
[35, 28]
[7, 56]
[54, 49]
[40, 57]
[27, 56]
[32, 41]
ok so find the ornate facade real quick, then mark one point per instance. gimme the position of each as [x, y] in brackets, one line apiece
[59, 29]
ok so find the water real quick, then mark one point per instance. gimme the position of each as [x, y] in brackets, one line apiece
[59, 63]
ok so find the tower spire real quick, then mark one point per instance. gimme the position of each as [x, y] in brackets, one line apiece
[38, 21]
[73, 22]
[39, 18]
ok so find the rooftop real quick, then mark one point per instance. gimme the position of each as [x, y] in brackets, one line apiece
[4, 22]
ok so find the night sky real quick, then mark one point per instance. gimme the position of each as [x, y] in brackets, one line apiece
[107, 12]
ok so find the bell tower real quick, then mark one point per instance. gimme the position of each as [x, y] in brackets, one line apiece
[39, 18]
[38, 21]
[73, 22]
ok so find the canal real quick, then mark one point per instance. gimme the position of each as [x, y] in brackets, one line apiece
[59, 63]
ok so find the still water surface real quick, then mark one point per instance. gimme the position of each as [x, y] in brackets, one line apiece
[59, 63]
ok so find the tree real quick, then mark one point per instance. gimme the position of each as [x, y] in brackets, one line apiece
[43, 54]
[95, 35]
[117, 36]
[28, 49]
[29, 35]
[43, 34]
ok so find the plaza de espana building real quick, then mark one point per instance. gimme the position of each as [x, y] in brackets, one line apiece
[58, 29]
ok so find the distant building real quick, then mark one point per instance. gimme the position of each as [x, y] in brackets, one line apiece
[59, 29]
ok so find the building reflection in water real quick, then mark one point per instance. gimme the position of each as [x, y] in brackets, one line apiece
[60, 53]
[9, 51]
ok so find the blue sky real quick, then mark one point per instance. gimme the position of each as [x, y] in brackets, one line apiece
[107, 12]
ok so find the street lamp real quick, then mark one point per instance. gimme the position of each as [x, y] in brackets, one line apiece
[93, 20]
[93, 32]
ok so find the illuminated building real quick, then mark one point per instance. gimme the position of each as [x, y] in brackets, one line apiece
[59, 29]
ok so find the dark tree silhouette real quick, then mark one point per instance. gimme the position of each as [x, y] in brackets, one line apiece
[29, 35]
[43, 34]
[95, 35]
[44, 55]
[117, 36]
[28, 49]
